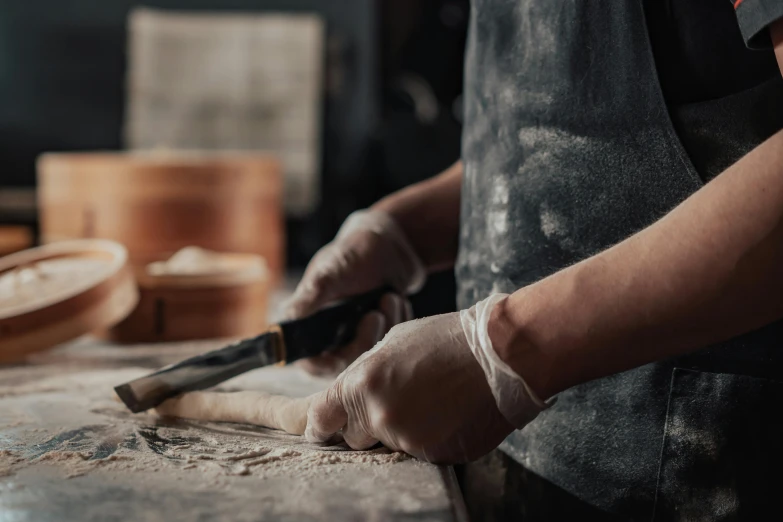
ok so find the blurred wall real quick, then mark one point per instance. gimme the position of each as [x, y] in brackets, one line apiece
[392, 100]
[62, 73]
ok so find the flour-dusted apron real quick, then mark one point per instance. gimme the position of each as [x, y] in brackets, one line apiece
[569, 149]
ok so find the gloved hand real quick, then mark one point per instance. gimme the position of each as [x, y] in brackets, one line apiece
[434, 388]
[369, 251]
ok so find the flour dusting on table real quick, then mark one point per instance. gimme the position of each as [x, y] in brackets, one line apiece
[72, 421]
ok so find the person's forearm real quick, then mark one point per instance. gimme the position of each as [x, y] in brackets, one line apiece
[428, 213]
[776, 33]
[709, 270]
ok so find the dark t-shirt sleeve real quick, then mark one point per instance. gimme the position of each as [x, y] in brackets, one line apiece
[754, 17]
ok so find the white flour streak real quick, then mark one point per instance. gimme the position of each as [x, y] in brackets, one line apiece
[498, 223]
[499, 191]
[552, 225]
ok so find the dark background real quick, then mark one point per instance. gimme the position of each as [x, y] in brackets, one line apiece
[62, 86]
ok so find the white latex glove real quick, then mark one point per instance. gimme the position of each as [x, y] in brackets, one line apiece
[433, 388]
[369, 251]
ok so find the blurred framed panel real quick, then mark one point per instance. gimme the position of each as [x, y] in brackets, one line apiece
[239, 81]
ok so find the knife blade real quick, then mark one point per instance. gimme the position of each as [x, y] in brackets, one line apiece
[282, 343]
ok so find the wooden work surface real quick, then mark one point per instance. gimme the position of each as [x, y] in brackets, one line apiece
[70, 452]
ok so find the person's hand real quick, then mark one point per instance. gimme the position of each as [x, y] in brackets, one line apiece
[433, 388]
[392, 310]
[370, 251]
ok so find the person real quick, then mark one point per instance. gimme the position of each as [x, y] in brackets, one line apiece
[616, 228]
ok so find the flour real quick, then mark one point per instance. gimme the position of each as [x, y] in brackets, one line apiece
[73, 424]
[229, 450]
[73, 382]
[9, 462]
[49, 281]
[78, 463]
[551, 224]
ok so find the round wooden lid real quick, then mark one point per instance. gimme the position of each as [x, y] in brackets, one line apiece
[58, 292]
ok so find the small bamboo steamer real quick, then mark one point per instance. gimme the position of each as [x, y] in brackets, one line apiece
[209, 305]
[58, 292]
[156, 203]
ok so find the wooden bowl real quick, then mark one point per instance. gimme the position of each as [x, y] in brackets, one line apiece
[58, 292]
[156, 203]
[207, 305]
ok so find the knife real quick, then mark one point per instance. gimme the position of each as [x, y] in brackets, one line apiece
[282, 343]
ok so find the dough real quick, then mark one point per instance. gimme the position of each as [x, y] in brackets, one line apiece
[198, 261]
[263, 409]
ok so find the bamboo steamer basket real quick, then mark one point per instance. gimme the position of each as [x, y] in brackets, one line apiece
[201, 304]
[156, 203]
[58, 292]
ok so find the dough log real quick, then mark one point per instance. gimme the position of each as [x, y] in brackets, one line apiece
[259, 408]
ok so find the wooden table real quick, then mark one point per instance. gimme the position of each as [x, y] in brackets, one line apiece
[69, 451]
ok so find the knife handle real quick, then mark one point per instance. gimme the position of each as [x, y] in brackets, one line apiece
[330, 327]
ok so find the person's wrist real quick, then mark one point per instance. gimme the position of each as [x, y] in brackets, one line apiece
[516, 400]
[515, 347]
[428, 213]
[400, 212]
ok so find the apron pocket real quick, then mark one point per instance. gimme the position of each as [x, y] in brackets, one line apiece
[721, 457]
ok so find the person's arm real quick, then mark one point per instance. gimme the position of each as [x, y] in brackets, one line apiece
[709, 270]
[776, 32]
[428, 213]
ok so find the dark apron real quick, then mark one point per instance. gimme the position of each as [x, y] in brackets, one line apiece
[568, 149]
